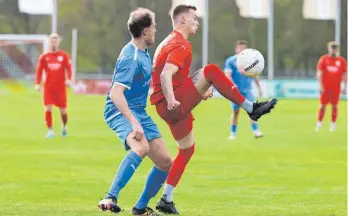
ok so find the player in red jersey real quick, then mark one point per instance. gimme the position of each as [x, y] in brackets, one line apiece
[57, 66]
[332, 70]
[176, 94]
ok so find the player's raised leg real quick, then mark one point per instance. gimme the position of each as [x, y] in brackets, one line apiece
[156, 177]
[48, 120]
[213, 75]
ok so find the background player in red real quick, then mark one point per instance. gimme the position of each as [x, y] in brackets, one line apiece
[332, 70]
[176, 94]
[57, 66]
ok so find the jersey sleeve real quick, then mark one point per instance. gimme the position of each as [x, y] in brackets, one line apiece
[39, 69]
[178, 56]
[321, 64]
[124, 71]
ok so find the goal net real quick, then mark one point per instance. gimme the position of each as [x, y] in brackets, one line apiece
[19, 55]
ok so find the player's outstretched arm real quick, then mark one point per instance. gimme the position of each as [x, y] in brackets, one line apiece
[68, 71]
[39, 71]
[118, 98]
[167, 85]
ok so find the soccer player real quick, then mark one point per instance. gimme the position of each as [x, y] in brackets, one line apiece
[125, 114]
[176, 94]
[244, 84]
[331, 71]
[57, 66]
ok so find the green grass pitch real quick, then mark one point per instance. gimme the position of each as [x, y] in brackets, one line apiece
[292, 171]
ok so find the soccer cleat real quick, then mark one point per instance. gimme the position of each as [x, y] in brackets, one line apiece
[232, 137]
[109, 204]
[64, 132]
[258, 134]
[262, 108]
[333, 127]
[145, 212]
[166, 207]
[318, 126]
[50, 134]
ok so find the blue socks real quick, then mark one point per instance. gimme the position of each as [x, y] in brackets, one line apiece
[126, 170]
[254, 126]
[154, 182]
[233, 129]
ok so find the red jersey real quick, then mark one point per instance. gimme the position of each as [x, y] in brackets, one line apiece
[333, 69]
[177, 50]
[55, 64]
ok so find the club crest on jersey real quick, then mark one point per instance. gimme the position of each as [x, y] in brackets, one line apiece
[60, 58]
[338, 63]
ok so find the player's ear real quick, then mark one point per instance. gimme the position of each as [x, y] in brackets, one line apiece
[145, 31]
[183, 19]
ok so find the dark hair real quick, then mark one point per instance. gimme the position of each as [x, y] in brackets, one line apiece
[241, 42]
[182, 9]
[139, 19]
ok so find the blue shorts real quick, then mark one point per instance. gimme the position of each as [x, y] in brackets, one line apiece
[248, 95]
[123, 127]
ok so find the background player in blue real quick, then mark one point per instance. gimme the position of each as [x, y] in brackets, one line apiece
[244, 85]
[125, 114]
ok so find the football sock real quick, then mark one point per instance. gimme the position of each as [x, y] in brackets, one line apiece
[247, 106]
[254, 126]
[334, 114]
[48, 119]
[155, 180]
[233, 129]
[177, 169]
[126, 170]
[321, 113]
[64, 118]
[168, 192]
[224, 86]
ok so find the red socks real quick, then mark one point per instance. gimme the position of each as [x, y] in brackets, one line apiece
[48, 119]
[179, 165]
[224, 86]
[321, 114]
[334, 114]
[65, 118]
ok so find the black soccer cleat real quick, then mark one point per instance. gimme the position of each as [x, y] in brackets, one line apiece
[262, 108]
[109, 204]
[145, 212]
[166, 207]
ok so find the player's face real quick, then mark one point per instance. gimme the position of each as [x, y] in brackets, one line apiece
[54, 42]
[192, 22]
[333, 50]
[150, 34]
[240, 48]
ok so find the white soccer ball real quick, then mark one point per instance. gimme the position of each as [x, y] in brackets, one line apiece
[251, 61]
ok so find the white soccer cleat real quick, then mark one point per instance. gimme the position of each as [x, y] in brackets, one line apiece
[232, 137]
[50, 134]
[258, 134]
[333, 127]
[317, 128]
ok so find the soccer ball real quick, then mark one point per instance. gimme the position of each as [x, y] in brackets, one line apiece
[251, 61]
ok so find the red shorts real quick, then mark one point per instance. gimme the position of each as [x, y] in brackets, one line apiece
[180, 120]
[329, 96]
[55, 96]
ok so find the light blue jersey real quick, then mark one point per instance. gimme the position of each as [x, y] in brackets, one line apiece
[133, 70]
[243, 82]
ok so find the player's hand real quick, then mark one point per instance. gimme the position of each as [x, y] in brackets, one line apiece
[172, 105]
[138, 131]
[260, 93]
[208, 94]
[68, 83]
[37, 87]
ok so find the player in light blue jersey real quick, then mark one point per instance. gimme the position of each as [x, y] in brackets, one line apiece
[125, 114]
[244, 85]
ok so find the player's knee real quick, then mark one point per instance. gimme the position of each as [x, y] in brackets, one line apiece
[322, 107]
[210, 69]
[142, 149]
[48, 108]
[63, 111]
[166, 163]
